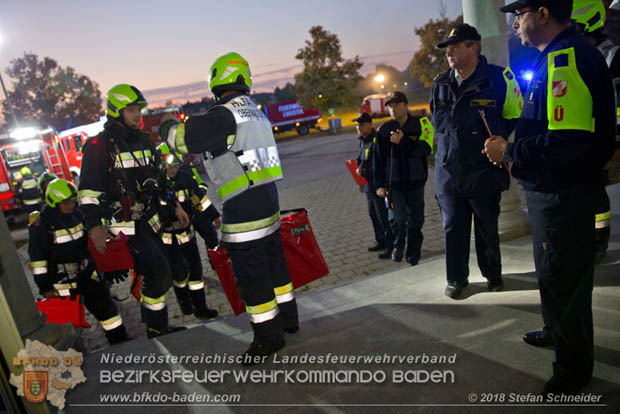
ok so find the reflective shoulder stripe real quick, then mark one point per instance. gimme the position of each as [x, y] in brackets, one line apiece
[569, 102]
[513, 104]
[428, 132]
[239, 184]
[89, 197]
[204, 203]
[33, 201]
[603, 216]
[166, 238]
[127, 227]
[112, 323]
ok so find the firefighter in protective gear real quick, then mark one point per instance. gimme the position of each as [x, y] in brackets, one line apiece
[119, 188]
[28, 190]
[564, 137]
[242, 160]
[466, 184]
[206, 220]
[44, 180]
[181, 244]
[60, 260]
[589, 18]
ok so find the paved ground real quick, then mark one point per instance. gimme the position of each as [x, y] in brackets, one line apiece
[316, 179]
[395, 325]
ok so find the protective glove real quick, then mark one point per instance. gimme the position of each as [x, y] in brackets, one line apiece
[116, 276]
[99, 236]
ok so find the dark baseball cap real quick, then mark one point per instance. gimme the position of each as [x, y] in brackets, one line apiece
[512, 7]
[363, 117]
[397, 97]
[460, 33]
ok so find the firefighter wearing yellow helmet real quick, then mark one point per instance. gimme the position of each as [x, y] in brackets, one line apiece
[28, 190]
[120, 182]
[243, 163]
[61, 262]
[589, 19]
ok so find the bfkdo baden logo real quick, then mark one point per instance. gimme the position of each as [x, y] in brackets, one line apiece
[47, 373]
[35, 385]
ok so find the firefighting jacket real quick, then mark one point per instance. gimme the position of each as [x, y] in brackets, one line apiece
[194, 201]
[120, 179]
[232, 131]
[29, 190]
[460, 167]
[401, 166]
[566, 132]
[58, 248]
[364, 160]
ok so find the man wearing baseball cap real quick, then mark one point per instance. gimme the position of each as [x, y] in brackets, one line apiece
[563, 139]
[376, 206]
[466, 184]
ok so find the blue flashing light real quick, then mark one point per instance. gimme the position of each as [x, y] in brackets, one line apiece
[528, 75]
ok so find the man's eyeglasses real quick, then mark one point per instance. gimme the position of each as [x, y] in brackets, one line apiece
[518, 14]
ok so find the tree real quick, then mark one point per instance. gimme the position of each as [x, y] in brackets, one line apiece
[327, 80]
[45, 93]
[285, 94]
[429, 61]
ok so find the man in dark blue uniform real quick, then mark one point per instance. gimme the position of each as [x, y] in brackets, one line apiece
[465, 182]
[376, 205]
[400, 170]
[563, 139]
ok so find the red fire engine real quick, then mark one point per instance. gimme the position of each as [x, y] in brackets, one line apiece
[37, 149]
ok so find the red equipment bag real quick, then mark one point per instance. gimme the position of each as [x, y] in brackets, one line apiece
[301, 251]
[61, 310]
[116, 257]
[352, 166]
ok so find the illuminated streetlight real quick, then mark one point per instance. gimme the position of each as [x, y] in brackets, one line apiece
[379, 78]
[320, 96]
[382, 86]
[406, 83]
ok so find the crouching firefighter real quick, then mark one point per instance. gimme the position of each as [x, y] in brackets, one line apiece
[242, 161]
[119, 184]
[180, 240]
[60, 260]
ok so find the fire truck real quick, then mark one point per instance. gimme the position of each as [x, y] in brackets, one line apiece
[72, 141]
[285, 116]
[151, 119]
[37, 149]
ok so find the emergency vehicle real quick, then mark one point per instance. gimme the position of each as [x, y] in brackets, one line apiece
[288, 115]
[151, 119]
[73, 140]
[374, 105]
[37, 149]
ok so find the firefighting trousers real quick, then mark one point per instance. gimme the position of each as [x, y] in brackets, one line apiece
[456, 213]
[187, 277]
[152, 263]
[264, 284]
[602, 218]
[96, 296]
[563, 241]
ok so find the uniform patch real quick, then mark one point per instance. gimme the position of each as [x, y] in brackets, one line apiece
[559, 88]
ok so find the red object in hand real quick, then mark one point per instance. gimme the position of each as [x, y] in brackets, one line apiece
[352, 166]
[116, 257]
[63, 310]
[301, 251]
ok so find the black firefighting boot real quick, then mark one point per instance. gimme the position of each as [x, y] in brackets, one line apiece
[117, 335]
[185, 302]
[201, 310]
[157, 323]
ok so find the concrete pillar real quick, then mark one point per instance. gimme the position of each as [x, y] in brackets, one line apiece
[486, 17]
[28, 320]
